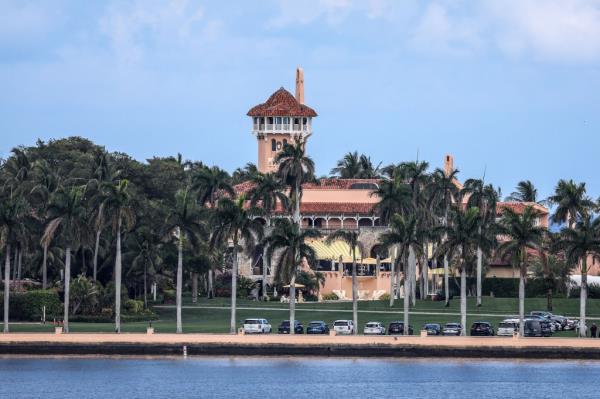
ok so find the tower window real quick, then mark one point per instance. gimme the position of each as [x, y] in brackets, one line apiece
[278, 145]
[273, 145]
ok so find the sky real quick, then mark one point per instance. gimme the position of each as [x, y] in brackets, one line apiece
[511, 88]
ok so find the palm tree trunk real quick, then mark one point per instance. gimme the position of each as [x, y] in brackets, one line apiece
[354, 294]
[83, 266]
[19, 268]
[234, 273]
[265, 262]
[293, 302]
[411, 259]
[521, 304]
[463, 299]
[179, 329]
[297, 205]
[145, 286]
[210, 293]
[413, 277]
[6, 286]
[67, 288]
[45, 268]
[393, 275]
[194, 287]
[15, 262]
[583, 298]
[479, 272]
[96, 247]
[118, 279]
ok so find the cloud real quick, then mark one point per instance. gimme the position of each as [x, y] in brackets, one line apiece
[303, 12]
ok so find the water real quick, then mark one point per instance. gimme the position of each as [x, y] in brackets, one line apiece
[287, 378]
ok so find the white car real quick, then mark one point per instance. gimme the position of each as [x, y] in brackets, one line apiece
[257, 326]
[343, 327]
[507, 328]
[374, 328]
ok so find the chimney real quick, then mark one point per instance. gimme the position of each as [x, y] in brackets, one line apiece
[448, 164]
[300, 85]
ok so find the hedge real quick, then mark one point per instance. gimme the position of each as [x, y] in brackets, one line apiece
[27, 306]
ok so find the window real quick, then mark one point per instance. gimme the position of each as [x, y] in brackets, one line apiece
[278, 145]
[273, 145]
[284, 142]
[278, 120]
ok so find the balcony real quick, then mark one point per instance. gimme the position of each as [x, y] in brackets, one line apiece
[280, 128]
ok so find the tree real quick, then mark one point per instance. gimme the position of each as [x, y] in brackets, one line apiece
[184, 222]
[354, 166]
[232, 220]
[294, 169]
[571, 202]
[524, 234]
[144, 253]
[289, 242]
[462, 239]
[117, 201]
[67, 211]
[525, 192]
[578, 242]
[266, 193]
[350, 237]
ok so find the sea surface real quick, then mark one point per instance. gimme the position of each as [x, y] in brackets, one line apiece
[287, 378]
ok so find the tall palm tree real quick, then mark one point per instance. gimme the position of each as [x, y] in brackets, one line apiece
[67, 211]
[462, 239]
[403, 235]
[184, 222]
[578, 242]
[289, 242]
[118, 202]
[525, 192]
[12, 210]
[350, 237]
[294, 169]
[232, 220]
[523, 234]
[144, 252]
[444, 192]
[485, 198]
[349, 167]
[266, 193]
[571, 202]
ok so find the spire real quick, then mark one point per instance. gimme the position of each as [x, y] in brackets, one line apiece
[300, 85]
[448, 165]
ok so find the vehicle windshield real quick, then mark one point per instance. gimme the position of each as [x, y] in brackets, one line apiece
[372, 325]
[431, 326]
[252, 321]
[315, 324]
[507, 325]
[341, 323]
[452, 325]
[285, 323]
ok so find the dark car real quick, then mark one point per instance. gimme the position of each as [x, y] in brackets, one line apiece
[284, 327]
[482, 328]
[433, 328]
[317, 327]
[532, 328]
[397, 328]
[546, 327]
[452, 329]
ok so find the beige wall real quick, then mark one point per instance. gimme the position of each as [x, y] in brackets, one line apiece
[339, 196]
[265, 155]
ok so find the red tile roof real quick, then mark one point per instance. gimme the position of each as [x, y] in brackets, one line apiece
[519, 207]
[336, 207]
[340, 184]
[282, 103]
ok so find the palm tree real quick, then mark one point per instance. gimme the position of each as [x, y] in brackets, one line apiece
[444, 192]
[571, 202]
[462, 238]
[266, 193]
[578, 242]
[184, 222]
[144, 253]
[525, 192]
[485, 198]
[350, 237]
[349, 167]
[295, 168]
[12, 210]
[67, 211]
[232, 220]
[523, 234]
[403, 235]
[290, 244]
[117, 201]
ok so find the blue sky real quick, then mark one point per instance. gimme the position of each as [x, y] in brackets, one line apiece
[511, 87]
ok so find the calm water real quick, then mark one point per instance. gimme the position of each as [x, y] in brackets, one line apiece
[288, 378]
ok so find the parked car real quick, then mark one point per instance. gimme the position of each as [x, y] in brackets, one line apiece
[571, 324]
[452, 329]
[256, 326]
[317, 327]
[397, 328]
[433, 328]
[542, 313]
[532, 328]
[560, 321]
[508, 328]
[374, 328]
[546, 326]
[284, 327]
[482, 328]
[343, 327]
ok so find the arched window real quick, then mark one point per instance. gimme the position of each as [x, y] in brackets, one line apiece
[273, 145]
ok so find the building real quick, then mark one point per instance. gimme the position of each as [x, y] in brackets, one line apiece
[336, 203]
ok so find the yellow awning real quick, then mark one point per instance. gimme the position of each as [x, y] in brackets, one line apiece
[334, 250]
[438, 271]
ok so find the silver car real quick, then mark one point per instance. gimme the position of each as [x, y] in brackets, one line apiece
[507, 328]
[374, 328]
[257, 326]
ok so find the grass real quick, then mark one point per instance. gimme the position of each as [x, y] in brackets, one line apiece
[199, 319]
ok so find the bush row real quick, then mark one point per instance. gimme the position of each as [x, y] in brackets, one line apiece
[28, 306]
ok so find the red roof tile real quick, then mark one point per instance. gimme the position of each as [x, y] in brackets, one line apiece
[519, 207]
[282, 103]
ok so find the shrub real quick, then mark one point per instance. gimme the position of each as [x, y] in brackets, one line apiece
[385, 297]
[84, 296]
[133, 306]
[28, 305]
[330, 297]
[593, 291]
[169, 296]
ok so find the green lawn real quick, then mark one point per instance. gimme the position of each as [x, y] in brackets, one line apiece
[197, 319]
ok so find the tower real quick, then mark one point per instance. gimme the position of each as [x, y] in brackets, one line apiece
[280, 120]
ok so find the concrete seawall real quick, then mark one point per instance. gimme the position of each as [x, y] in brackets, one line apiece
[274, 345]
